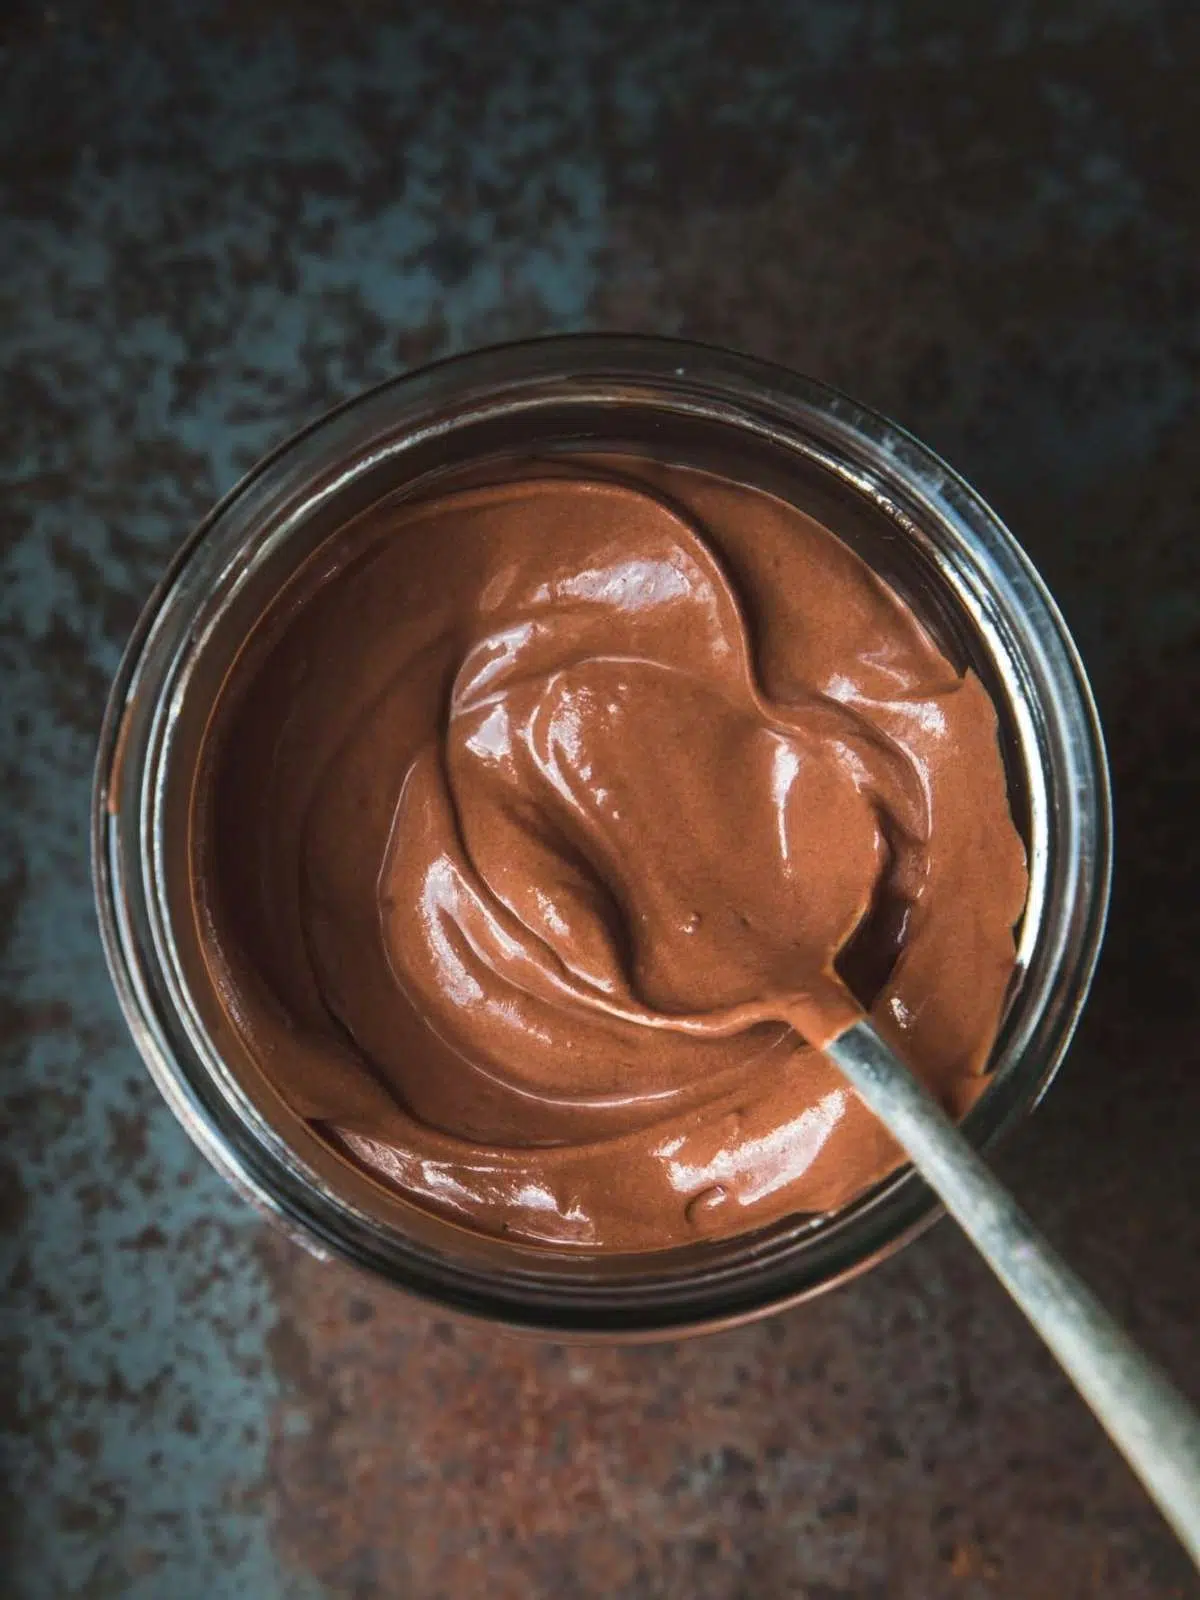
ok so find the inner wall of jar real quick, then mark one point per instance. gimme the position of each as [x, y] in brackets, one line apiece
[873, 529]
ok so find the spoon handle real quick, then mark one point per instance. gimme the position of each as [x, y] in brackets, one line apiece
[1146, 1417]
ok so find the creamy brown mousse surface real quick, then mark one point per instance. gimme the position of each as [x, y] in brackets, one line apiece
[549, 824]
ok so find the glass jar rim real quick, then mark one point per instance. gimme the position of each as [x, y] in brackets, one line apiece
[260, 521]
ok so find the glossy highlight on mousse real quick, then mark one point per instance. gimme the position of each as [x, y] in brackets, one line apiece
[548, 825]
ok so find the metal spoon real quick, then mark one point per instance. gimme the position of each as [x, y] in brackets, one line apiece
[1146, 1417]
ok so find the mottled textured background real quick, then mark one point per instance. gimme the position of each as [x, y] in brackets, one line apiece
[215, 220]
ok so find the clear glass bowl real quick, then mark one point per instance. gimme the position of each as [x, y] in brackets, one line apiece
[925, 530]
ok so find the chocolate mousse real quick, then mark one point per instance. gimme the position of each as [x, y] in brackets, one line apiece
[548, 826]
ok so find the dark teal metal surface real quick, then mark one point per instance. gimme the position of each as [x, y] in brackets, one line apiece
[215, 221]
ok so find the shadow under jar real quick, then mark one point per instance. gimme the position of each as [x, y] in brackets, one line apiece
[892, 501]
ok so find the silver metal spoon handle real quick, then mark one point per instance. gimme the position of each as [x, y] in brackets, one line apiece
[1146, 1417]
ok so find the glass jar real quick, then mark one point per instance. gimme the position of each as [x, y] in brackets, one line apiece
[890, 498]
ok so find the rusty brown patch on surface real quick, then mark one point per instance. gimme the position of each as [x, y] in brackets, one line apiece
[897, 1439]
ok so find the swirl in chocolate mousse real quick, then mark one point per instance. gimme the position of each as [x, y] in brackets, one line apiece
[548, 826]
